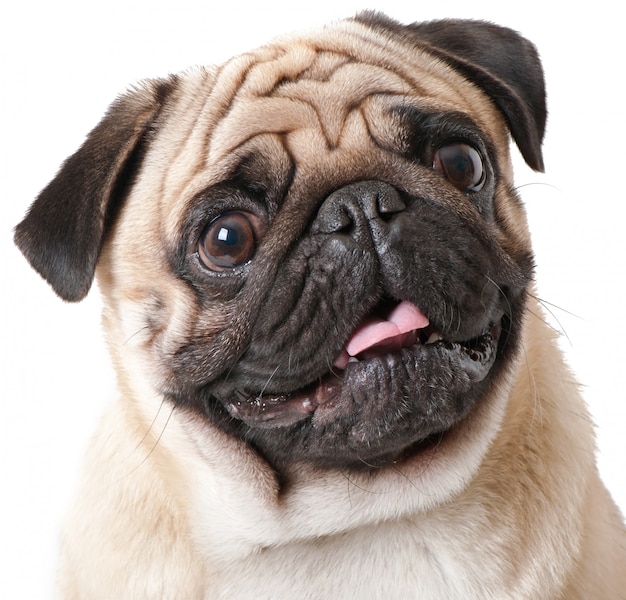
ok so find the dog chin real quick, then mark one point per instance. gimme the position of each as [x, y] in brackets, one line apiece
[441, 466]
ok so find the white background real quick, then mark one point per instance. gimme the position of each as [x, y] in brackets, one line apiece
[62, 62]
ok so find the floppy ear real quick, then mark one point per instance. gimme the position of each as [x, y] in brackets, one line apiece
[63, 231]
[498, 60]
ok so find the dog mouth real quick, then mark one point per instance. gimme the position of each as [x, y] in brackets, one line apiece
[395, 360]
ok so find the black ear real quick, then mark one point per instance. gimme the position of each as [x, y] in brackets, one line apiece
[63, 231]
[498, 60]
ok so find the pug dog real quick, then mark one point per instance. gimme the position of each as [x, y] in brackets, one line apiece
[335, 380]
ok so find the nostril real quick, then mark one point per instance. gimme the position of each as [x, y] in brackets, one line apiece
[389, 203]
[343, 221]
[333, 218]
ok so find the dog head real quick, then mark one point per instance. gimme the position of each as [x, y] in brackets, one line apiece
[317, 247]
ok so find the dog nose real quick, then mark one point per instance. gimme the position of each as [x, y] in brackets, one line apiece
[358, 209]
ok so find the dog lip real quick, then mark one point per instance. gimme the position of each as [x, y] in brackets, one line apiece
[425, 336]
[475, 358]
[477, 349]
[266, 412]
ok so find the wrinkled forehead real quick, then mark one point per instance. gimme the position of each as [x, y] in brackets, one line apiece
[318, 83]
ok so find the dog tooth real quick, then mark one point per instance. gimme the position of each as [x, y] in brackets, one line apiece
[434, 337]
[353, 359]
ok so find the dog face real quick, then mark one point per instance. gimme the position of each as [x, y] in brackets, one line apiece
[317, 247]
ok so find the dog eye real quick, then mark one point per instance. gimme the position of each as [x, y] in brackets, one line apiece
[229, 241]
[462, 165]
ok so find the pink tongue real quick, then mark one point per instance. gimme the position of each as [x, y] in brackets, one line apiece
[389, 333]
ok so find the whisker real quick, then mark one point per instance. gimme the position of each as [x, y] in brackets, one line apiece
[156, 442]
[269, 379]
[133, 335]
[538, 184]
[502, 294]
[156, 416]
[549, 306]
[546, 304]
